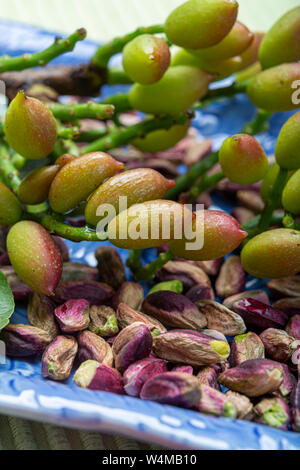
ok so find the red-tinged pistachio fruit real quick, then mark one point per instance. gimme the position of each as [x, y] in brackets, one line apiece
[250, 56]
[296, 408]
[19, 289]
[246, 347]
[188, 274]
[35, 256]
[273, 254]
[200, 292]
[287, 151]
[58, 358]
[179, 88]
[131, 345]
[40, 314]
[92, 347]
[280, 45]
[215, 403]
[140, 372]
[197, 24]
[259, 295]
[35, 187]
[241, 403]
[127, 316]
[293, 327]
[78, 272]
[30, 127]
[98, 377]
[146, 58]
[131, 294]
[96, 293]
[190, 347]
[286, 287]
[174, 310]
[291, 194]
[232, 278]
[148, 225]
[272, 89]
[110, 266]
[278, 344]
[24, 340]
[103, 321]
[274, 412]
[73, 316]
[138, 186]
[10, 208]
[243, 159]
[161, 140]
[209, 376]
[253, 378]
[290, 306]
[173, 388]
[221, 318]
[259, 316]
[222, 235]
[77, 180]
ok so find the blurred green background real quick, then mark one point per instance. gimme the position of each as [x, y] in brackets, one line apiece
[107, 18]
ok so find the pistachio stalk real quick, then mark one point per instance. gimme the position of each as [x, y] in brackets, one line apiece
[207, 182]
[90, 110]
[147, 273]
[120, 101]
[117, 76]
[9, 175]
[27, 61]
[106, 51]
[259, 123]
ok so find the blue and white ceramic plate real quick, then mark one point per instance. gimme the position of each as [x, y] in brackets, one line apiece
[24, 393]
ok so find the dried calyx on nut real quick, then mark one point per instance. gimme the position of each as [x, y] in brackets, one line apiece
[215, 403]
[140, 372]
[24, 340]
[221, 318]
[95, 376]
[232, 278]
[73, 316]
[278, 344]
[95, 348]
[246, 347]
[131, 294]
[58, 358]
[126, 316]
[40, 314]
[187, 273]
[103, 321]
[110, 266]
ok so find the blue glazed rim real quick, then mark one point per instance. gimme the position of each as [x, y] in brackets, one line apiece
[25, 394]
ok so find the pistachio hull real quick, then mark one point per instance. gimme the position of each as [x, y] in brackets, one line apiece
[127, 316]
[278, 344]
[103, 321]
[40, 314]
[286, 287]
[209, 376]
[130, 294]
[293, 327]
[232, 278]
[242, 405]
[259, 295]
[73, 272]
[140, 372]
[188, 274]
[99, 377]
[58, 358]
[34, 189]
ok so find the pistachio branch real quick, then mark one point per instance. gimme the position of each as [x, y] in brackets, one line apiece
[108, 50]
[120, 101]
[148, 272]
[90, 110]
[27, 61]
[259, 123]
[207, 182]
[8, 173]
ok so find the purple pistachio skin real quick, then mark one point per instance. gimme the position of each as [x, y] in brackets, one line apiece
[19, 289]
[259, 295]
[73, 316]
[274, 412]
[189, 274]
[132, 344]
[130, 294]
[258, 316]
[78, 272]
[96, 293]
[278, 344]
[293, 327]
[99, 377]
[209, 376]
[185, 369]
[253, 378]
[232, 278]
[246, 347]
[174, 310]
[200, 292]
[95, 348]
[173, 388]
[289, 305]
[139, 373]
[24, 340]
[215, 403]
[58, 358]
[295, 403]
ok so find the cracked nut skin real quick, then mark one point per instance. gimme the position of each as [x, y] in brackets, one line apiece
[174, 310]
[103, 321]
[221, 318]
[253, 378]
[293, 327]
[95, 348]
[259, 316]
[140, 372]
[190, 347]
[279, 345]
[215, 403]
[242, 404]
[127, 316]
[96, 293]
[131, 294]
[209, 376]
[58, 358]
[40, 314]
[131, 345]
[232, 278]
[189, 274]
[259, 295]
[24, 340]
[173, 388]
[274, 412]
[246, 347]
[98, 377]
[110, 267]
[73, 316]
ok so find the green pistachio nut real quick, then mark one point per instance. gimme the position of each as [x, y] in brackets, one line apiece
[162, 139]
[30, 127]
[250, 55]
[179, 88]
[281, 44]
[272, 89]
[291, 194]
[174, 286]
[10, 208]
[78, 179]
[243, 159]
[35, 187]
[273, 254]
[198, 24]
[146, 58]
[35, 256]
[287, 150]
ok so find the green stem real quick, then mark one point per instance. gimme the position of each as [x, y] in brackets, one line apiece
[219, 93]
[88, 110]
[120, 101]
[277, 219]
[259, 123]
[8, 173]
[108, 50]
[188, 179]
[117, 76]
[118, 137]
[147, 273]
[207, 182]
[38, 59]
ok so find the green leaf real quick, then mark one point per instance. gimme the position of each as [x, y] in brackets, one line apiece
[7, 303]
